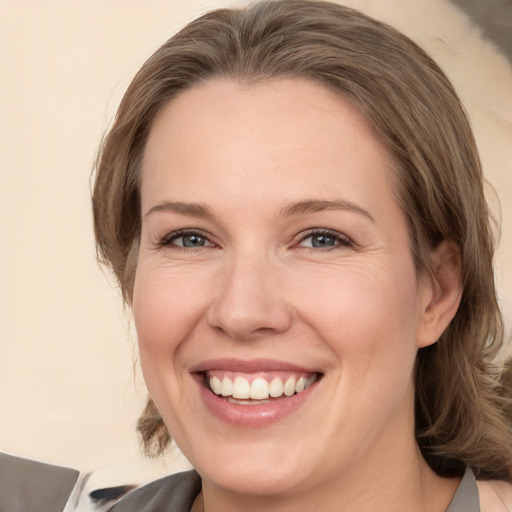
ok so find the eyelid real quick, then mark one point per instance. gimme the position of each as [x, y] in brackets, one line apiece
[167, 239]
[344, 240]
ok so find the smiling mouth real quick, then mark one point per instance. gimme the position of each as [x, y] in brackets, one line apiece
[259, 388]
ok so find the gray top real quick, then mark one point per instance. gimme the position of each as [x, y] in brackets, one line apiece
[31, 486]
[467, 498]
[176, 493]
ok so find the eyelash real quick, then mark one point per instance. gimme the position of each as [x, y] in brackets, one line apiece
[169, 238]
[339, 239]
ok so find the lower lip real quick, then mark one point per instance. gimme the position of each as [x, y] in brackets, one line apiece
[253, 415]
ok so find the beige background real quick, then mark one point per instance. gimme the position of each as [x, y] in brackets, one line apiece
[69, 390]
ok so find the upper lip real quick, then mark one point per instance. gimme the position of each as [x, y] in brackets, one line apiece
[248, 366]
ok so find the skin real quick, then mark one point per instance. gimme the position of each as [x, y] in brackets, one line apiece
[356, 311]
[495, 496]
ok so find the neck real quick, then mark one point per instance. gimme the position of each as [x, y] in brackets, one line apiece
[386, 473]
[397, 485]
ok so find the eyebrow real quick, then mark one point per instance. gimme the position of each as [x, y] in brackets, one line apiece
[300, 208]
[316, 205]
[191, 209]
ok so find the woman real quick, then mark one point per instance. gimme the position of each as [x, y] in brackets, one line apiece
[292, 202]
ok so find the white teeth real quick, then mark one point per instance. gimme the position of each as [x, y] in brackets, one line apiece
[310, 381]
[276, 387]
[289, 386]
[260, 388]
[227, 387]
[241, 388]
[246, 402]
[216, 385]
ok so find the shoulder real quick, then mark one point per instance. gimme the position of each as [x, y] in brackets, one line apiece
[174, 493]
[495, 495]
[32, 485]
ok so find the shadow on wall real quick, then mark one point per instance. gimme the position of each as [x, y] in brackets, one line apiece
[494, 17]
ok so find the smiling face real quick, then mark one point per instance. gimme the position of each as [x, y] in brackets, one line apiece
[276, 301]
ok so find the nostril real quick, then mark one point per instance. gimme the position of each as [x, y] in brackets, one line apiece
[249, 308]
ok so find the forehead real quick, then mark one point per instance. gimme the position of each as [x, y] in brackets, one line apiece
[282, 137]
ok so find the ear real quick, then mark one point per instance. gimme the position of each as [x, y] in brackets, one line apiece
[442, 292]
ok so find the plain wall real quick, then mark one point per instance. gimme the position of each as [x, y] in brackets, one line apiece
[70, 392]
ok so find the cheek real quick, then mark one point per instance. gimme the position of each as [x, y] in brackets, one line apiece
[373, 332]
[164, 311]
[367, 315]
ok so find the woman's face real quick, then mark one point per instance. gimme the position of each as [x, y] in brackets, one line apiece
[274, 257]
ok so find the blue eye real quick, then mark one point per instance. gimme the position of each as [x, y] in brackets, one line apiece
[324, 240]
[186, 239]
[190, 241]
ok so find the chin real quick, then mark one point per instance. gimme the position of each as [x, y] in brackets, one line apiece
[254, 479]
[254, 470]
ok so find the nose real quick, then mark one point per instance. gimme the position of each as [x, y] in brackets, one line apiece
[250, 302]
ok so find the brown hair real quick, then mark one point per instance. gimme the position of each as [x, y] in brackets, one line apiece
[416, 113]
